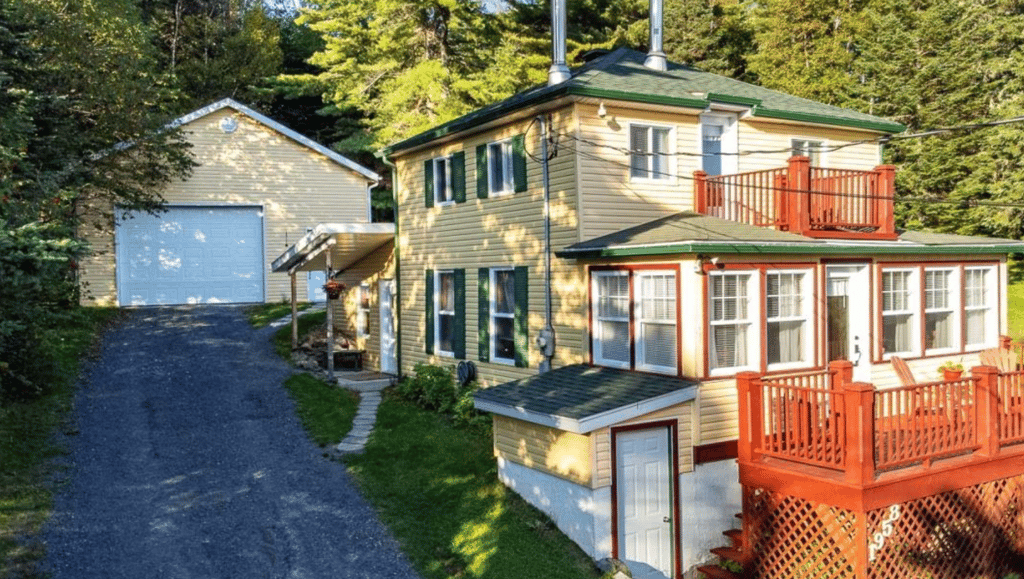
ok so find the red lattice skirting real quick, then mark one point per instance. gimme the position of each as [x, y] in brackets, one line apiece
[976, 532]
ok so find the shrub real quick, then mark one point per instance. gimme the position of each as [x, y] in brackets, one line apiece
[434, 388]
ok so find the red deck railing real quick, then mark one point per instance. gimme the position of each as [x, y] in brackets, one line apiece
[800, 420]
[919, 423]
[812, 201]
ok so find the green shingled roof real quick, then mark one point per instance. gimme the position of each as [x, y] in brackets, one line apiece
[690, 233]
[577, 398]
[621, 75]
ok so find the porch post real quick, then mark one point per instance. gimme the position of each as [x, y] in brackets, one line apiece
[886, 193]
[330, 322]
[295, 316]
[751, 416]
[799, 194]
[859, 406]
[986, 402]
[700, 192]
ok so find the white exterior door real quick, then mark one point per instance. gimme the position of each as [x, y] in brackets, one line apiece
[388, 344]
[848, 315]
[644, 488]
[191, 255]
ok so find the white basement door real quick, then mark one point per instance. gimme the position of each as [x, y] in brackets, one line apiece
[191, 255]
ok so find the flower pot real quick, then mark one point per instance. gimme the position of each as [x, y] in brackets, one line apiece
[951, 375]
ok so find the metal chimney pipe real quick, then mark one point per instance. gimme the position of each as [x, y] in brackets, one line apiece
[559, 71]
[655, 55]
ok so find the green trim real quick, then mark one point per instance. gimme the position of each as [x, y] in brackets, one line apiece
[732, 99]
[522, 316]
[428, 302]
[689, 102]
[809, 249]
[459, 326]
[481, 172]
[428, 182]
[483, 321]
[519, 163]
[888, 127]
[458, 169]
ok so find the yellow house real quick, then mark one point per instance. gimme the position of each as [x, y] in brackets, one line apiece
[608, 252]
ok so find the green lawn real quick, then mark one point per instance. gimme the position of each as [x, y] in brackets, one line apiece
[437, 488]
[326, 411]
[1015, 310]
[27, 445]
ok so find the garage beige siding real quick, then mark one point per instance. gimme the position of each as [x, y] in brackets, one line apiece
[557, 452]
[503, 231]
[254, 165]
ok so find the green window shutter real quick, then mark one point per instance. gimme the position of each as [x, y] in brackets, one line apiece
[484, 319]
[519, 162]
[522, 316]
[459, 339]
[481, 171]
[459, 177]
[428, 182]
[429, 301]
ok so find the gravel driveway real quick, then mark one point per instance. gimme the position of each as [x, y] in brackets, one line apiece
[189, 463]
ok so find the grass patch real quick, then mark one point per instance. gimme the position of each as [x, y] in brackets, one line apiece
[27, 445]
[261, 315]
[437, 488]
[1015, 310]
[283, 336]
[326, 411]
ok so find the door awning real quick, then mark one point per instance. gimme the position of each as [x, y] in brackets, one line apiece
[347, 242]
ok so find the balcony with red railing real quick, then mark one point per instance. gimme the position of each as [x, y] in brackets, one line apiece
[825, 438]
[806, 200]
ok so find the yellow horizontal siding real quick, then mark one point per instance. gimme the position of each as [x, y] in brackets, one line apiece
[563, 454]
[500, 231]
[296, 186]
[718, 411]
[682, 413]
[378, 265]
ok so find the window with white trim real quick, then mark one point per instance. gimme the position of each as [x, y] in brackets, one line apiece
[731, 339]
[899, 311]
[503, 310]
[979, 307]
[787, 319]
[444, 306]
[443, 192]
[656, 346]
[940, 305]
[363, 313]
[808, 148]
[500, 180]
[649, 152]
[611, 319]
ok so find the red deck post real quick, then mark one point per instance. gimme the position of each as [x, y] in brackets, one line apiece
[842, 373]
[886, 193]
[986, 401]
[800, 194]
[859, 406]
[751, 416]
[700, 192]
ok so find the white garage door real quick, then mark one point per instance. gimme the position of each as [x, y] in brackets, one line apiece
[191, 255]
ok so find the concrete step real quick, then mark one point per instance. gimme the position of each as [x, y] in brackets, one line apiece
[364, 385]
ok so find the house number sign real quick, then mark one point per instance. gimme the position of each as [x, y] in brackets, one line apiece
[878, 540]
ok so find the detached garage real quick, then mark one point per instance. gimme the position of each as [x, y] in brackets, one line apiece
[258, 188]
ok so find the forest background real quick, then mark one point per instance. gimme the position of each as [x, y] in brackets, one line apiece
[83, 80]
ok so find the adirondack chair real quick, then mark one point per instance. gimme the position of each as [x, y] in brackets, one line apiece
[903, 371]
[1005, 360]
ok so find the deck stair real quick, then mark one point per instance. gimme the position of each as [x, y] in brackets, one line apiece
[735, 556]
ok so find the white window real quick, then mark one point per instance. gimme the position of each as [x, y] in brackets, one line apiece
[611, 319]
[363, 314]
[503, 309]
[649, 152]
[979, 308]
[443, 194]
[499, 168]
[444, 323]
[808, 148]
[656, 321]
[731, 341]
[940, 305]
[787, 319]
[899, 311]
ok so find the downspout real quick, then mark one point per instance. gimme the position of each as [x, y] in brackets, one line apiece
[546, 338]
[397, 310]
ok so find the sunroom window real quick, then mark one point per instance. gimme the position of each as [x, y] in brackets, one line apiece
[611, 319]
[787, 319]
[940, 310]
[979, 310]
[731, 321]
[656, 322]
[899, 307]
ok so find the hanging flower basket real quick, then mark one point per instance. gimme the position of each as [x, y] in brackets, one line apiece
[333, 289]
